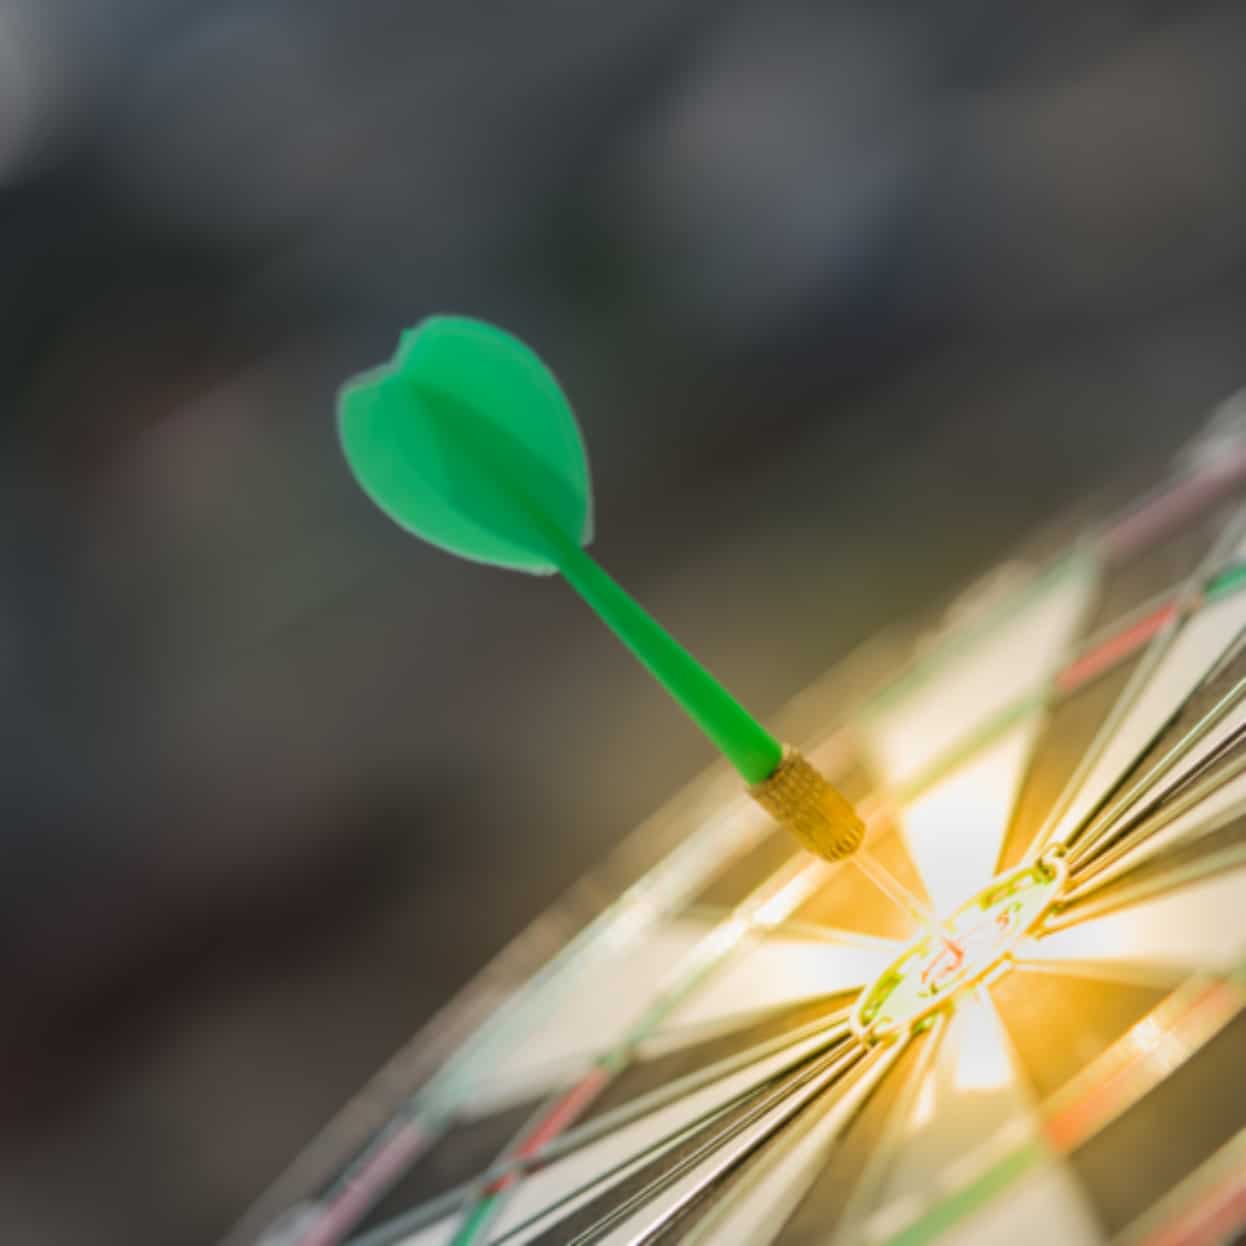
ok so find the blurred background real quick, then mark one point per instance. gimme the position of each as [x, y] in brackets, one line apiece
[848, 296]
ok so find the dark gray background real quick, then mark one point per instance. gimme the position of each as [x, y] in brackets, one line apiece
[848, 297]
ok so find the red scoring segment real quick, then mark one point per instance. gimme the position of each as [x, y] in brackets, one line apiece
[1116, 648]
[558, 1117]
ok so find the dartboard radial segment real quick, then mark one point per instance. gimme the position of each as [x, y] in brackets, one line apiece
[721, 1039]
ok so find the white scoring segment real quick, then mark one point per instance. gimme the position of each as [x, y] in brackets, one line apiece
[955, 829]
[586, 1021]
[909, 728]
[784, 971]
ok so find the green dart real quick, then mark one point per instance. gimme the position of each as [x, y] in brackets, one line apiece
[466, 440]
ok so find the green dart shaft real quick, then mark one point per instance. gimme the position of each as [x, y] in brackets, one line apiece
[746, 744]
[779, 778]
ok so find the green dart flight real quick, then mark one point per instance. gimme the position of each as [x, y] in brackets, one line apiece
[466, 440]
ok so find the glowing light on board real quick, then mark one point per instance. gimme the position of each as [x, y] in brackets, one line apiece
[954, 830]
[982, 1060]
[933, 968]
[924, 1108]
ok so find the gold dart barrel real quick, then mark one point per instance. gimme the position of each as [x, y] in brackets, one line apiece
[797, 796]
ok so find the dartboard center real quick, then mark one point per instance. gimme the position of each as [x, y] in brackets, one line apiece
[967, 946]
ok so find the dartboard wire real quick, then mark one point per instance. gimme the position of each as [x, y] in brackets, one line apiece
[1162, 821]
[1150, 1051]
[870, 1183]
[1205, 856]
[1115, 852]
[750, 1208]
[1203, 715]
[1127, 892]
[666, 1141]
[711, 1130]
[1189, 600]
[1123, 639]
[831, 1029]
[1213, 770]
[555, 1076]
[769, 904]
[765, 1089]
[637, 912]
[879, 1222]
[1136, 785]
[1153, 653]
[1108, 649]
[724, 1153]
[398, 1229]
[773, 899]
[1068, 689]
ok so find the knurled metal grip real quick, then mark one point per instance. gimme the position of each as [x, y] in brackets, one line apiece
[799, 797]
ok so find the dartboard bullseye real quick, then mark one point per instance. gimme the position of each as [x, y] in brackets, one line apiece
[1021, 1020]
[973, 942]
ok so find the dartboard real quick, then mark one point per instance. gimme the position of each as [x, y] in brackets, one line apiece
[717, 1038]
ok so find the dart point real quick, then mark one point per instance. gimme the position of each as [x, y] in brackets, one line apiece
[797, 796]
